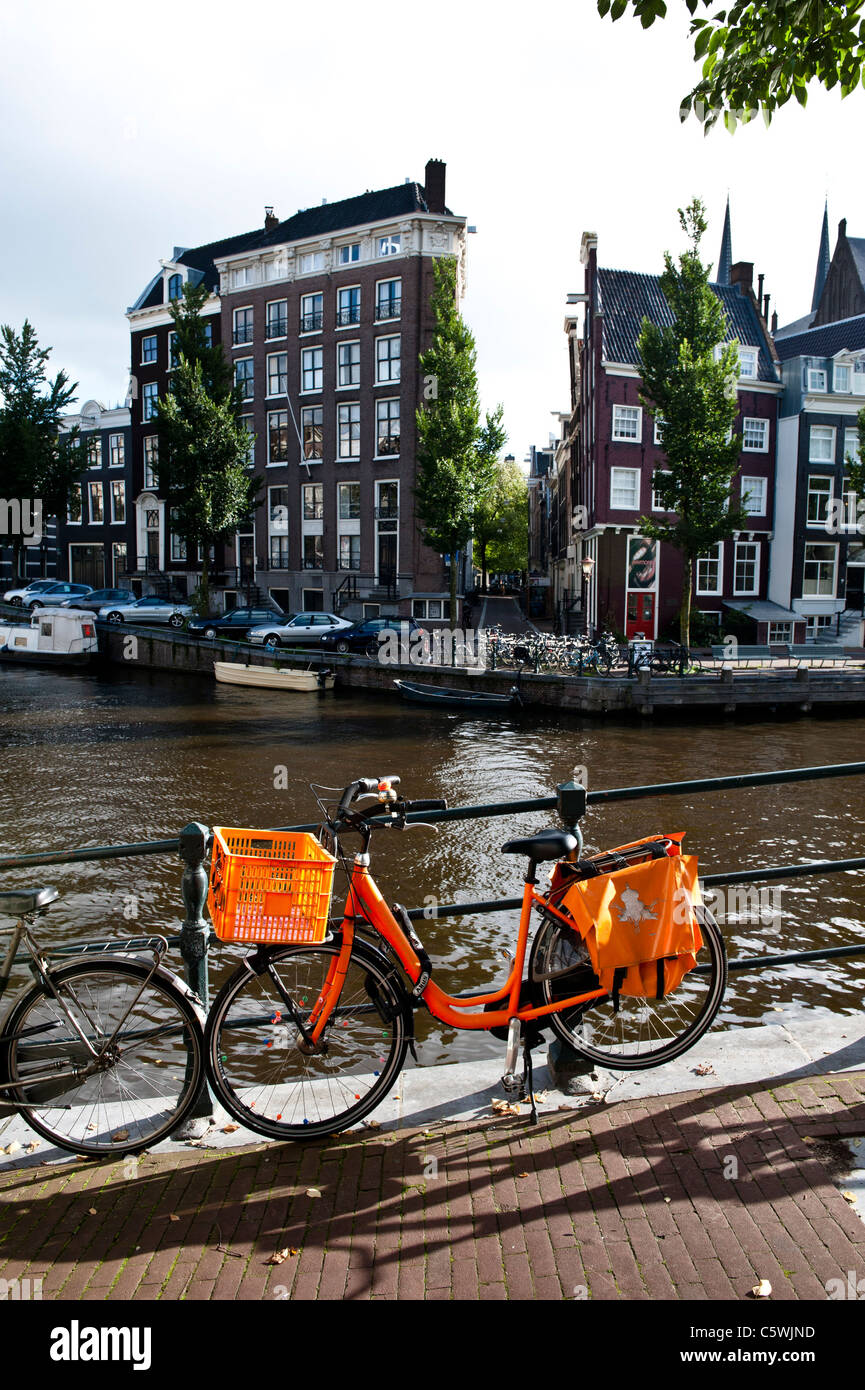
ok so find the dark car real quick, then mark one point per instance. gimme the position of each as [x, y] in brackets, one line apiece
[237, 623]
[364, 637]
[99, 598]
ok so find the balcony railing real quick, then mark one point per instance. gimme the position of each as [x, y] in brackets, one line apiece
[347, 316]
[388, 309]
[311, 323]
[276, 328]
[242, 335]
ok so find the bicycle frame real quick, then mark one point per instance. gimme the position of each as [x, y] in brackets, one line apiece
[365, 903]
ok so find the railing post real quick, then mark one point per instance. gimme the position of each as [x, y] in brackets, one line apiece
[194, 936]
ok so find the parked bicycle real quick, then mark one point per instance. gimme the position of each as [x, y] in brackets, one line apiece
[306, 1038]
[102, 1054]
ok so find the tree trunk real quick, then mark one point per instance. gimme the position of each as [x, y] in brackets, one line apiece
[453, 619]
[17, 549]
[685, 614]
[204, 586]
[483, 567]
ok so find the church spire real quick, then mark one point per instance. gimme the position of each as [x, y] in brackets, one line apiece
[823, 259]
[725, 260]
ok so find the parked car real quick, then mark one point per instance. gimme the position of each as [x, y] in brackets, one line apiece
[303, 627]
[364, 637]
[147, 610]
[54, 595]
[98, 598]
[236, 623]
[16, 596]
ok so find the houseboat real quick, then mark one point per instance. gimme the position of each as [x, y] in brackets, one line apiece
[54, 637]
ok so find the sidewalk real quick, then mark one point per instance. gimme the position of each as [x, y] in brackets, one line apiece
[695, 1195]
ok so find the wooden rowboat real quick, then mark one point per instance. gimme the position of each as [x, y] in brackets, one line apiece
[272, 677]
[459, 699]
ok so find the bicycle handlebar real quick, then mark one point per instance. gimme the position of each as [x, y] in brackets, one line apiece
[364, 785]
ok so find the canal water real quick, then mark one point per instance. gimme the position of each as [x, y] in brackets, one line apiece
[128, 756]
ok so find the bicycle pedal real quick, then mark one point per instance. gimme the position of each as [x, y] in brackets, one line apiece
[510, 1083]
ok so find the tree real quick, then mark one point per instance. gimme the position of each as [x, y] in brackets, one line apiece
[856, 465]
[203, 444]
[501, 523]
[456, 453]
[757, 54]
[37, 462]
[693, 397]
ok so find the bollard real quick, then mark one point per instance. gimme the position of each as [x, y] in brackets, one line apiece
[194, 936]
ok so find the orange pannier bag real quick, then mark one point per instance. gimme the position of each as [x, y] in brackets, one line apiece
[639, 923]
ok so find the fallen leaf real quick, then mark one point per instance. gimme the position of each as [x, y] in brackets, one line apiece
[12, 1148]
[777, 1008]
[32, 1146]
[762, 1290]
[120, 1137]
[229, 1129]
[849, 1197]
[668, 1200]
[92, 1211]
[540, 1097]
[704, 1069]
[597, 1095]
[522, 1175]
[91, 1126]
[172, 1217]
[313, 1192]
[397, 1096]
[372, 1124]
[280, 1256]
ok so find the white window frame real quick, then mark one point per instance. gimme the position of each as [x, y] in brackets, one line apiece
[149, 361]
[348, 255]
[76, 490]
[351, 482]
[851, 445]
[280, 318]
[656, 503]
[822, 492]
[271, 461]
[307, 410]
[780, 633]
[151, 461]
[851, 506]
[382, 410]
[627, 412]
[95, 488]
[390, 361]
[817, 379]
[242, 276]
[348, 371]
[758, 486]
[842, 367]
[115, 484]
[353, 309]
[93, 448]
[247, 378]
[311, 313]
[149, 400]
[116, 450]
[344, 416]
[248, 422]
[310, 263]
[753, 364]
[717, 559]
[390, 299]
[317, 370]
[390, 245]
[757, 425]
[278, 375]
[250, 328]
[755, 587]
[818, 592]
[826, 434]
[658, 432]
[635, 475]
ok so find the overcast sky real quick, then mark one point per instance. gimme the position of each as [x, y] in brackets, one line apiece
[125, 131]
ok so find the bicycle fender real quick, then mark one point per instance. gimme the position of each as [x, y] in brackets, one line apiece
[160, 973]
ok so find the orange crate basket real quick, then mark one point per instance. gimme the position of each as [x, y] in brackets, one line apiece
[269, 885]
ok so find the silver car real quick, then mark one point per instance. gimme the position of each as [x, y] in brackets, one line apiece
[303, 627]
[147, 610]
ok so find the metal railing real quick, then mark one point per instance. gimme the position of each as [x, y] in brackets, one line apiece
[570, 801]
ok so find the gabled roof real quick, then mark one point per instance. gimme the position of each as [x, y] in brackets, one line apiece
[824, 341]
[857, 246]
[627, 297]
[403, 200]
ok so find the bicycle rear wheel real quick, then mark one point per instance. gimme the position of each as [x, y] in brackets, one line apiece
[146, 1029]
[644, 1032]
[257, 1067]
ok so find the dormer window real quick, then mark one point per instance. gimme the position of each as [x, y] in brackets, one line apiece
[816, 379]
[175, 287]
[748, 359]
[842, 378]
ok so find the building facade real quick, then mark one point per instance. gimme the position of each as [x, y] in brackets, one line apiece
[324, 317]
[635, 585]
[95, 537]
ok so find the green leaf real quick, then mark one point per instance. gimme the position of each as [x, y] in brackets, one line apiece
[619, 7]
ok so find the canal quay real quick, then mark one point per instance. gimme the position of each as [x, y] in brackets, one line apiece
[621, 1190]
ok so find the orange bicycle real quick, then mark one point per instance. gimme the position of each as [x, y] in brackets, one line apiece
[306, 1038]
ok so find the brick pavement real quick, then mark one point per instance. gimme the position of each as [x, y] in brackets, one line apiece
[694, 1196]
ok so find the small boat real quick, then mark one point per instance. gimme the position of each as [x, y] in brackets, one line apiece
[459, 699]
[53, 637]
[273, 677]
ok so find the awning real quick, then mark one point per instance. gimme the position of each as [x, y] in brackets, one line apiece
[764, 611]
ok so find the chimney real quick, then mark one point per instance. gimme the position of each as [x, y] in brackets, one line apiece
[775, 322]
[766, 298]
[760, 279]
[434, 185]
[842, 228]
[269, 220]
[742, 274]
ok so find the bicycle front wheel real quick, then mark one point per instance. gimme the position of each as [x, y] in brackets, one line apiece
[264, 1073]
[135, 1077]
[644, 1032]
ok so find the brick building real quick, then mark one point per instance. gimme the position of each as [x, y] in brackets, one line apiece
[95, 536]
[324, 316]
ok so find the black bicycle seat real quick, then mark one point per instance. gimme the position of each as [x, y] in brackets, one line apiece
[22, 901]
[547, 844]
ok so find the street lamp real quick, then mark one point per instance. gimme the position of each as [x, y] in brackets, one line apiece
[587, 566]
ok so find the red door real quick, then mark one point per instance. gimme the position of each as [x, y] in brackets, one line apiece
[640, 618]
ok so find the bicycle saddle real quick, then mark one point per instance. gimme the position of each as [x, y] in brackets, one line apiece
[547, 844]
[21, 901]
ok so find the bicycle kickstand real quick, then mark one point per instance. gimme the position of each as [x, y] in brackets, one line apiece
[527, 1089]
